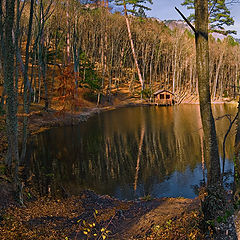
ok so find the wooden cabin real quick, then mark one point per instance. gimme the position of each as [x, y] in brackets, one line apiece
[164, 97]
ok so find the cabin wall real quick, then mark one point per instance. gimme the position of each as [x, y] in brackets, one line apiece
[164, 99]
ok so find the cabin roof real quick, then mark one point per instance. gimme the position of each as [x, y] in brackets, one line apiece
[161, 91]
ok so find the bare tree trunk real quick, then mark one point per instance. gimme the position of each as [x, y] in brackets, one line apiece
[151, 84]
[237, 158]
[217, 75]
[21, 64]
[236, 81]
[39, 79]
[202, 155]
[76, 54]
[1, 35]
[3, 92]
[110, 75]
[42, 61]
[44, 70]
[68, 35]
[132, 45]
[12, 158]
[174, 68]
[26, 102]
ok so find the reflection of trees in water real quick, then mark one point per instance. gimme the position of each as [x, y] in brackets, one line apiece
[138, 158]
[104, 152]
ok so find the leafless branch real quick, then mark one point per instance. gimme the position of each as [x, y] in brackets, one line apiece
[231, 122]
[186, 20]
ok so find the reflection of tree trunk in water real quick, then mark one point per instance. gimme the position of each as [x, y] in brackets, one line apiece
[202, 153]
[108, 154]
[179, 152]
[106, 150]
[138, 158]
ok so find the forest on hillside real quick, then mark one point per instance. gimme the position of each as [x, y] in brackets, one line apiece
[88, 46]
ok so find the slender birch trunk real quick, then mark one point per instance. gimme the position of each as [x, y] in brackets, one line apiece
[132, 45]
[217, 75]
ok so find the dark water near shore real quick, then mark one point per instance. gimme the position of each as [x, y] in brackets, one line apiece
[128, 153]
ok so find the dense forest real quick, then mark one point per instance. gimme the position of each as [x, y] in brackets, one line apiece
[61, 58]
[89, 46]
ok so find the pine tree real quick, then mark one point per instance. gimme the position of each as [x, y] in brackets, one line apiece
[219, 15]
[213, 201]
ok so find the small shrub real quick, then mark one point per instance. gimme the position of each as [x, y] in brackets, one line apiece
[146, 198]
[2, 168]
[90, 96]
[90, 230]
[146, 93]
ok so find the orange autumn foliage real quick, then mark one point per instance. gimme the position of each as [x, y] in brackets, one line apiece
[67, 89]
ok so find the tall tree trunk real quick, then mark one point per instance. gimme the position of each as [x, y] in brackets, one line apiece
[236, 81]
[21, 64]
[174, 67]
[217, 76]
[1, 34]
[237, 158]
[68, 35]
[26, 102]
[202, 62]
[150, 70]
[44, 72]
[3, 91]
[132, 45]
[76, 54]
[211, 204]
[12, 158]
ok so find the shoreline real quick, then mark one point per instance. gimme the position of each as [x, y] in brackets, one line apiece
[154, 211]
[70, 119]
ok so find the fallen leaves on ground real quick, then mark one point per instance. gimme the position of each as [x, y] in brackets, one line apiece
[90, 216]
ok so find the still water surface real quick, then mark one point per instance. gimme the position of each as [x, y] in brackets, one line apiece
[128, 153]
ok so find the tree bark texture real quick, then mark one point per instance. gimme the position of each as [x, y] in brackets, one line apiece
[12, 125]
[237, 158]
[202, 63]
[26, 103]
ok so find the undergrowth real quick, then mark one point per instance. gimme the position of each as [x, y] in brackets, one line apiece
[189, 226]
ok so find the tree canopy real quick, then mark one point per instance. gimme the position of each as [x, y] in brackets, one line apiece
[219, 15]
[137, 6]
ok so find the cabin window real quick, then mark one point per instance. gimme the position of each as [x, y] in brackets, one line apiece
[168, 97]
[161, 96]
